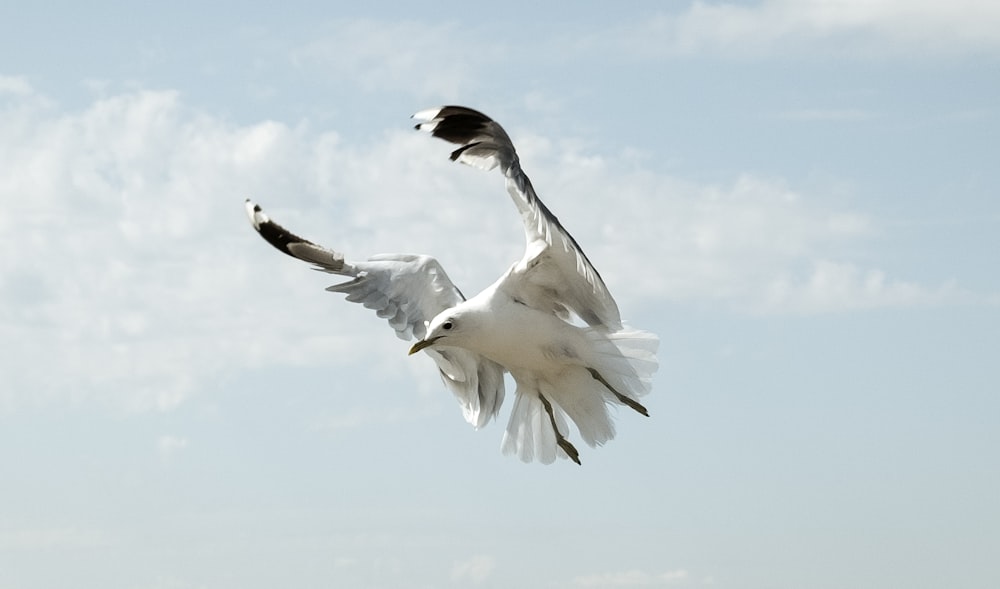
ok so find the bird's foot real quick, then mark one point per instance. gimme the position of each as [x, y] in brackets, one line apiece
[637, 406]
[561, 441]
[568, 448]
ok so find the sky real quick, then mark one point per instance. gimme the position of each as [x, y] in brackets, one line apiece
[802, 199]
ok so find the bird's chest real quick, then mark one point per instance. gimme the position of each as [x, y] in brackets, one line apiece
[527, 339]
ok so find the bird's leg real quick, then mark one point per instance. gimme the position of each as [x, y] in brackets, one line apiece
[625, 400]
[563, 442]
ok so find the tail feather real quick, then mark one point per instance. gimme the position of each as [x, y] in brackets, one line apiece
[585, 401]
[626, 358]
[575, 397]
[626, 361]
[529, 434]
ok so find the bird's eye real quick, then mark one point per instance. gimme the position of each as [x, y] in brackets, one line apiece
[447, 325]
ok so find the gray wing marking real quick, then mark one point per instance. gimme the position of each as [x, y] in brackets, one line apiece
[406, 289]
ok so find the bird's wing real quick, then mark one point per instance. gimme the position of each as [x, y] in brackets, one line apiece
[554, 275]
[408, 290]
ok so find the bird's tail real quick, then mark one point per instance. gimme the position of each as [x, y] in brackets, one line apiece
[619, 372]
[625, 359]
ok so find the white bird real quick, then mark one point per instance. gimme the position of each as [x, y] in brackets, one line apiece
[549, 320]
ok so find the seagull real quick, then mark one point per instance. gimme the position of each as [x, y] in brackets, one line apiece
[549, 320]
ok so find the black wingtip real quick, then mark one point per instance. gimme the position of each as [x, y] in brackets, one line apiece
[274, 234]
[455, 124]
[255, 213]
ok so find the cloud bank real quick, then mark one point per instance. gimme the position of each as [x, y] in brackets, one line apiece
[852, 28]
[130, 277]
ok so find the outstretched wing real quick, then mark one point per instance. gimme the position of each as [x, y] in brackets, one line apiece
[408, 290]
[554, 275]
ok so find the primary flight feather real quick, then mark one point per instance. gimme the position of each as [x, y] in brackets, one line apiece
[523, 324]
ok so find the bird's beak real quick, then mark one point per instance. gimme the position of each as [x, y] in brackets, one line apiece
[422, 344]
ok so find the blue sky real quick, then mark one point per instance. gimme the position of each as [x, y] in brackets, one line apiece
[800, 198]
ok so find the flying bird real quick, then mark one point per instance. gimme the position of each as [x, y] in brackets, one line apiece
[549, 320]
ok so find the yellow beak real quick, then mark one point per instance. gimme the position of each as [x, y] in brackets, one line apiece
[421, 345]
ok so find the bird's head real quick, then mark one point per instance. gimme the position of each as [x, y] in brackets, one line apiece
[448, 329]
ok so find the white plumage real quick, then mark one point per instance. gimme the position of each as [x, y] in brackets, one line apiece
[523, 324]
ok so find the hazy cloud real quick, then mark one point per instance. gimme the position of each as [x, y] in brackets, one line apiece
[632, 578]
[168, 445]
[55, 538]
[370, 54]
[474, 570]
[862, 28]
[838, 286]
[14, 85]
[124, 271]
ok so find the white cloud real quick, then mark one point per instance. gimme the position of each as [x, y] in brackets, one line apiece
[57, 538]
[14, 85]
[840, 286]
[896, 28]
[129, 277]
[134, 280]
[168, 445]
[473, 570]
